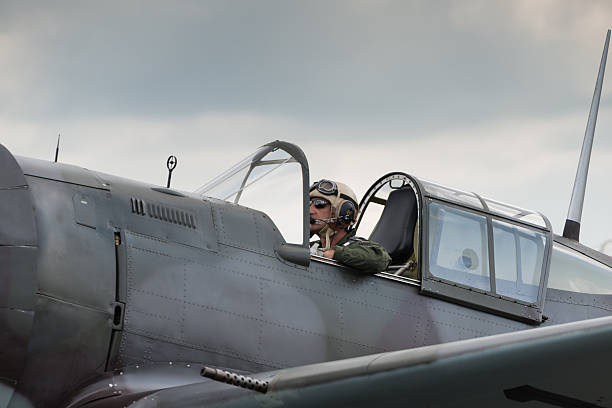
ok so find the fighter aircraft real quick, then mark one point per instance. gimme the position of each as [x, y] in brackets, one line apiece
[116, 292]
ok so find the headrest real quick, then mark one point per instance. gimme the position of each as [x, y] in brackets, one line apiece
[395, 228]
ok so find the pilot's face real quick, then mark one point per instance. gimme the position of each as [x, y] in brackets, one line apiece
[320, 209]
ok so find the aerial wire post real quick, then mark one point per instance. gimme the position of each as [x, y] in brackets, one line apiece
[574, 214]
[171, 165]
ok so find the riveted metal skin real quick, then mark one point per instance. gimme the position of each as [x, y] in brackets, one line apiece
[18, 281]
[76, 281]
[160, 289]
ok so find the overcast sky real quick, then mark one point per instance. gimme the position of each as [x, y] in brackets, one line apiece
[486, 96]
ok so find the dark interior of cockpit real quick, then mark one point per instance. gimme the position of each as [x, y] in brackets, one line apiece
[395, 229]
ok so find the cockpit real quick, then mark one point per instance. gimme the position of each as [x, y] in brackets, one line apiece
[452, 244]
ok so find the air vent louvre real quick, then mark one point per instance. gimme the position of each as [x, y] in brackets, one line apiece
[138, 206]
[163, 213]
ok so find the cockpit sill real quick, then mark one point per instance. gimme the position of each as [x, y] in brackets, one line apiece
[387, 274]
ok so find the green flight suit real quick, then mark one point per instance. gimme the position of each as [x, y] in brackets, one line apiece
[361, 254]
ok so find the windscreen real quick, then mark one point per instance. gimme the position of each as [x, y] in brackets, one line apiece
[269, 180]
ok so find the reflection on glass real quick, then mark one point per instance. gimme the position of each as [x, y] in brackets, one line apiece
[280, 196]
[506, 255]
[451, 194]
[229, 185]
[519, 254]
[269, 180]
[573, 271]
[533, 218]
[515, 212]
[458, 246]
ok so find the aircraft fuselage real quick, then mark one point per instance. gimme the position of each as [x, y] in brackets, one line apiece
[122, 274]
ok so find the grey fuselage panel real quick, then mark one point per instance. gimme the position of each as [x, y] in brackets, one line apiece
[128, 276]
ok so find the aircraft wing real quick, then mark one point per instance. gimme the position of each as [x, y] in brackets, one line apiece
[565, 365]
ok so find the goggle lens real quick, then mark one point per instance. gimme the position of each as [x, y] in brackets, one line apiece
[326, 187]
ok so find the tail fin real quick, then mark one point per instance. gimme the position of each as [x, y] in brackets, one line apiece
[574, 214]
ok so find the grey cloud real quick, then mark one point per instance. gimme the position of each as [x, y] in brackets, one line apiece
[395, 62]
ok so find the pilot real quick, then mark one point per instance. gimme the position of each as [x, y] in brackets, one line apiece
[333, 209]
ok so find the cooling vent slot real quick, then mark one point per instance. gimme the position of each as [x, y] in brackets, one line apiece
[138, 206]
[163, 213]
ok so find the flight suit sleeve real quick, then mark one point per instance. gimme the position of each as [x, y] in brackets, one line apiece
[365, 256]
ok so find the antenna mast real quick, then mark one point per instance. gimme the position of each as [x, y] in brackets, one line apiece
[574, 214]
[57, 147]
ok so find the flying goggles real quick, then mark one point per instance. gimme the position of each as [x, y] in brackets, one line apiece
[329, 188]
[326, 187]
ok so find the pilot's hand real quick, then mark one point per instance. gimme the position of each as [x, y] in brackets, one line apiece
[329, 253]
